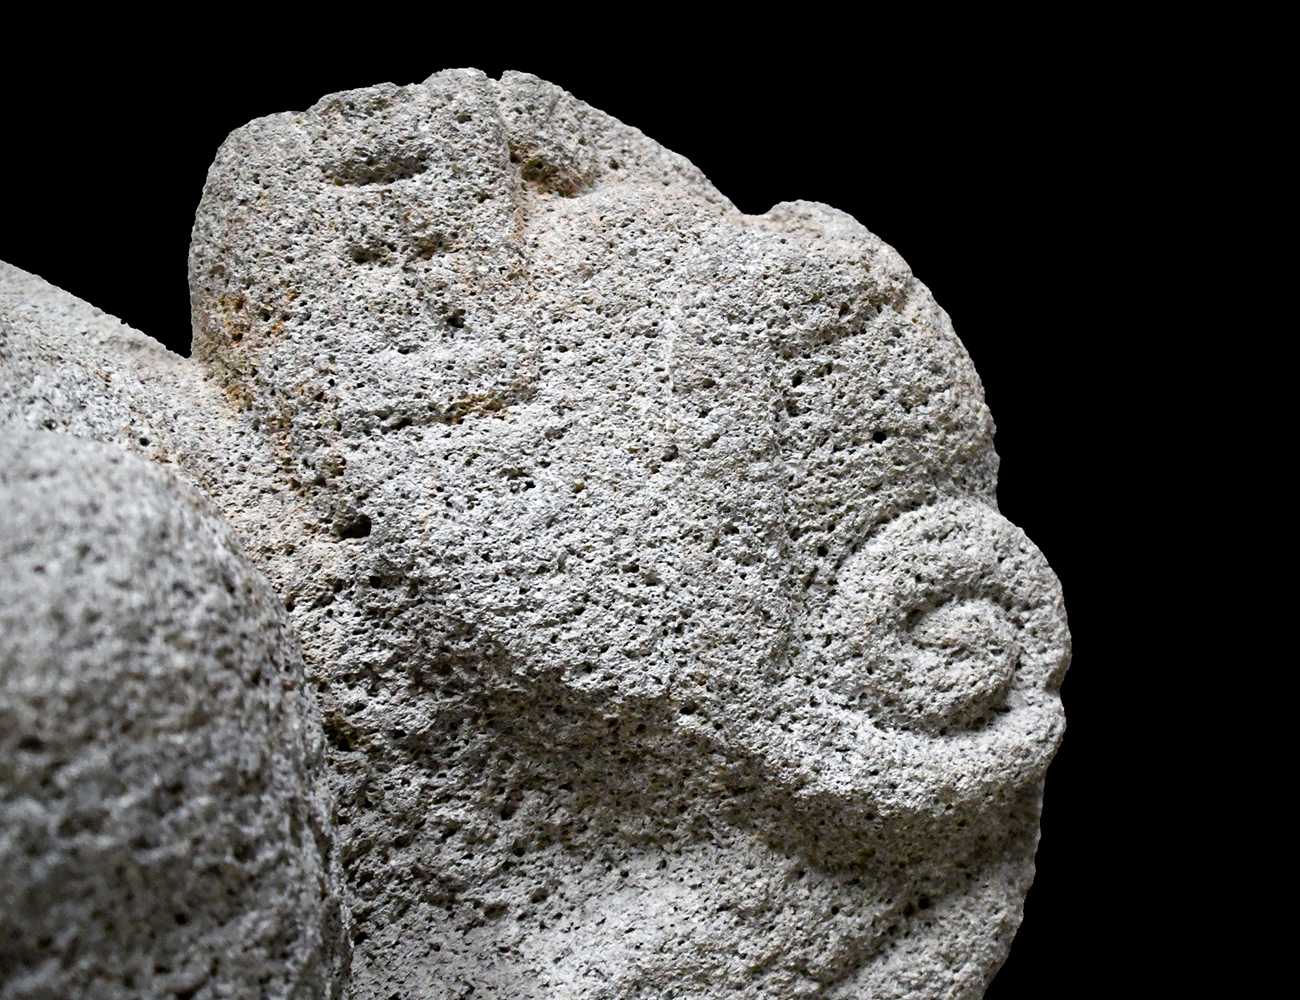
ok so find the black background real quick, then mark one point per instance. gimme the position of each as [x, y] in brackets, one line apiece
[1022, 183]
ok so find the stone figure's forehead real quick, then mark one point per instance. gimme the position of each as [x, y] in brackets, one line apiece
[457, 250]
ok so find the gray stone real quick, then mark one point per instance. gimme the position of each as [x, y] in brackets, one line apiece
[645, 554]
[164, 823]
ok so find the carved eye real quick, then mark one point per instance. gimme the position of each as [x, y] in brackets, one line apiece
[941, 621]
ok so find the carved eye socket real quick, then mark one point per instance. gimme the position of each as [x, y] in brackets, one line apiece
[941, 621]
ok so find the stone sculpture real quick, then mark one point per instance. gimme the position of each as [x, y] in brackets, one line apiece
[645, 555]
[165, 829]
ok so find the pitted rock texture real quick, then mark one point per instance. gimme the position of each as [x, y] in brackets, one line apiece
[165, 828]
[645, 554]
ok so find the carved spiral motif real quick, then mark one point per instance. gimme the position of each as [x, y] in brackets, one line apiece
[939, 618]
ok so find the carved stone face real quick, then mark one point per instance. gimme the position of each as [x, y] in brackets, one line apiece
[667, 633]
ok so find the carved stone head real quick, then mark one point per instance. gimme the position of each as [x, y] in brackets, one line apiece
[648, 560]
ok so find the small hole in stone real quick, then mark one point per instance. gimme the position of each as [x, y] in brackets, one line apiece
[357, 526]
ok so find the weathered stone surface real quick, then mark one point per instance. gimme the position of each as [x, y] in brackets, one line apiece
[645, 554]
[164, 823]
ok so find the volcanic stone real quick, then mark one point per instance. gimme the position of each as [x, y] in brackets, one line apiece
[164, 826]
[645, 554]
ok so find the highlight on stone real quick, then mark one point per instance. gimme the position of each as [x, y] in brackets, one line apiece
[542, 580]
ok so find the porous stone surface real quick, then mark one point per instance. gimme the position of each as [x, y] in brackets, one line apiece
[165, 828]
[645, 554]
